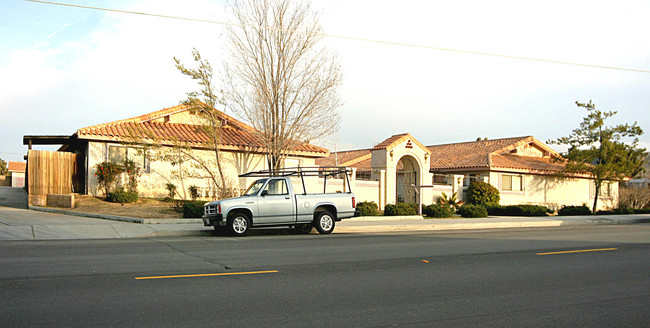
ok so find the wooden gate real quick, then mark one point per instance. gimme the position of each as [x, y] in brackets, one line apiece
[49, 172]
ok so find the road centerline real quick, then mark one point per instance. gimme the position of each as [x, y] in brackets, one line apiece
[206, 275]
[579, 251]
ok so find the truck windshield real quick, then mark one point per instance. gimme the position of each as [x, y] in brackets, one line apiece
[254, 187]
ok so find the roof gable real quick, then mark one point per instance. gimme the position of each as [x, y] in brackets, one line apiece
[472, 154]
[398, 139]
[149, 128]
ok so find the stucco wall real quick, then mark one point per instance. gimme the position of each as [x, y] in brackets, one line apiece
[153, 183]
[553, 192]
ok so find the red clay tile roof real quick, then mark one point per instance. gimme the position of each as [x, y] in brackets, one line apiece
[235, 135]
[536, 164]
[481, 154]
[17, 166]
[344, 158]
[472, 154]
[389, 142]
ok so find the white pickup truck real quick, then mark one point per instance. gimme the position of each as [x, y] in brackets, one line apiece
[272, 201]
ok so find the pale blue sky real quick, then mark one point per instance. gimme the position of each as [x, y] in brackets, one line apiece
[65, 68]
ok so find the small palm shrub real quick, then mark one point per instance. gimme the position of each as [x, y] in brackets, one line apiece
[449, 201]
[194, 192]
[472, 211]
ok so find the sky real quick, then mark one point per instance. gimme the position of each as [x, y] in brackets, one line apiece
[65, 68]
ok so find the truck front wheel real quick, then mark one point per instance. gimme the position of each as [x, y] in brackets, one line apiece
[238, 224]
[324, 222]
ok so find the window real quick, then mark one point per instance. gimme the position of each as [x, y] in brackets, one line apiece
[276, 187]
[440, 179]
[605, 189]
[470, 178]
[116, 154]
[364, 175]
[511, 182]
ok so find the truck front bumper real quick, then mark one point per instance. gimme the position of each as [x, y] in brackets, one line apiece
[212, 220]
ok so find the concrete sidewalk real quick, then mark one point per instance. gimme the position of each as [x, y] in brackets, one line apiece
[43, 224]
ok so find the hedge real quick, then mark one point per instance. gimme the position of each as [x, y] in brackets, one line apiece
[437, 211]
[400, 209]
[472, 211]
[574, 210]
[122, 196]
[193, 209]
[518, 210]
[367, 209]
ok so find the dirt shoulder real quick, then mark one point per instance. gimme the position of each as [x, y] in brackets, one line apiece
[145, 208]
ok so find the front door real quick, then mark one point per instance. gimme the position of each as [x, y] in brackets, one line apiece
[275, 204]
[406, 187]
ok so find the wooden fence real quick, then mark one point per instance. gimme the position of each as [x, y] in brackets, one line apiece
[49, 172]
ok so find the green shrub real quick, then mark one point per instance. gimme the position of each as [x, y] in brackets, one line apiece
[122, 196]
[472, 211]
[106, 173]
[625, 211]
[517, 210]
[480, 193]
[133, 172]
[400, 209]
[437, 211]
[193, 209]
[367, 209]
[574, 210]
[642, 211]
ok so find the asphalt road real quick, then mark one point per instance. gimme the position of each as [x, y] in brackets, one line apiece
[462, 279]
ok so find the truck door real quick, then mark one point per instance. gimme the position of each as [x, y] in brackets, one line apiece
[275, 204]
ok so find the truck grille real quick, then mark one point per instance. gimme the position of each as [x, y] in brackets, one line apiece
[210, 209]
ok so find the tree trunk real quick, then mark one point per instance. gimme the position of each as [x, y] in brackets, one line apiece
[597, 192]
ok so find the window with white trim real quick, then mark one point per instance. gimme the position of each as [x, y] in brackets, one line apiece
[511, 182]
[605, 189]
[117, 154]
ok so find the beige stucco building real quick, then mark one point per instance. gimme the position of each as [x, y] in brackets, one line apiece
[399, 169]
[523, 169]
[153, 141]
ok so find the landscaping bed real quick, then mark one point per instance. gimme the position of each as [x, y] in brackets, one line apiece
[145, 208]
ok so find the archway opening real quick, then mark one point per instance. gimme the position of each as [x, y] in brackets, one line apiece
[407, 180]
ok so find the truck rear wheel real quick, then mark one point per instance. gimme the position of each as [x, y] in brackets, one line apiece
[238, 224]
[324, 222]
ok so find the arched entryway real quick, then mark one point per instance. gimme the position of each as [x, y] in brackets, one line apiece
[407, 180]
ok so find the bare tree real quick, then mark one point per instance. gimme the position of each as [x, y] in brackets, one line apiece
[204, 104]
[276, 76]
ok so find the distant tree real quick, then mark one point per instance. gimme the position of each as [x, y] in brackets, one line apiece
[597, 150]
[3, 167]
[277, 78]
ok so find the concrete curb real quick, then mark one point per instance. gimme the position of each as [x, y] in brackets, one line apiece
[115, 217]
[146, 228]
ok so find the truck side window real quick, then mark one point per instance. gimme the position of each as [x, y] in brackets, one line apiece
[276, 187]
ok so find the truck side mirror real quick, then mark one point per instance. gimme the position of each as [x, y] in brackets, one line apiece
[264, 193]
